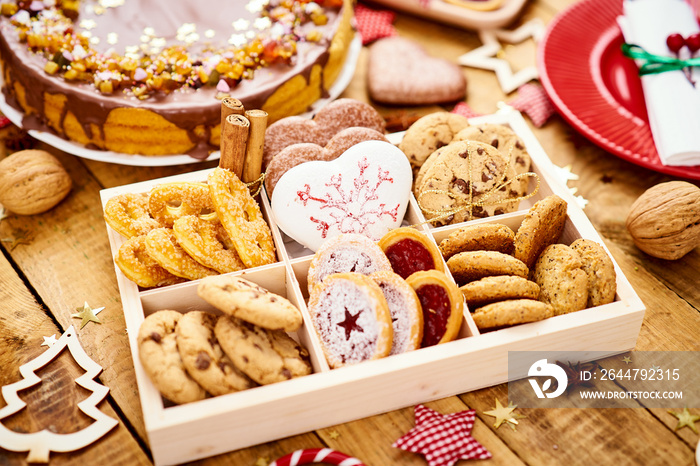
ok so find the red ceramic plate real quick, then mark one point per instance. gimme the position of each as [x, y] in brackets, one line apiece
[597, 89]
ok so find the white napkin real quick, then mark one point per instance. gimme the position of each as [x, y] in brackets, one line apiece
[673, 104]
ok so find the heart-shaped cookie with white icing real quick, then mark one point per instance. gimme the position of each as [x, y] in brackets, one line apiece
[364, 191]
[401, 72]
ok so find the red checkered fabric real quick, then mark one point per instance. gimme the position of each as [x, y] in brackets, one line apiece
[465, 110]
[4, 121]
[442, 438]
[533, 101]
[374, 24]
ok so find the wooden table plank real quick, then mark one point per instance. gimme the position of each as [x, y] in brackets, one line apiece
[52, 404]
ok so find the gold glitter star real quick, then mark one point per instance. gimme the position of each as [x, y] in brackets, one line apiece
[627, 360]
[49, 341]
[685, 419]
[504, 414]
[333, 434]
[261, 461]
[87, 314]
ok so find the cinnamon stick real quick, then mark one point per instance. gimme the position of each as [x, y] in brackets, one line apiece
[230, 106]
[254, 148]
[234, 136]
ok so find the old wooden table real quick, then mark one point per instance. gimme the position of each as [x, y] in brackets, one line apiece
[52, 263]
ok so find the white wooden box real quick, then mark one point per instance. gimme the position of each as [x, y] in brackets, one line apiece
[328, 397]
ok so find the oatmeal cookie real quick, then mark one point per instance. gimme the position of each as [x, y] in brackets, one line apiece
[562, 280]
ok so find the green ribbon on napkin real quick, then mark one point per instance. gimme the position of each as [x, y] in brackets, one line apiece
[652, 64]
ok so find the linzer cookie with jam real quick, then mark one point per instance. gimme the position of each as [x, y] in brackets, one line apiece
[351, 318]
[122, 76]
[442, 305]
[409, 251]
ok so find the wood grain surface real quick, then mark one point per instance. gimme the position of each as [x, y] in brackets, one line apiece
[52, 263]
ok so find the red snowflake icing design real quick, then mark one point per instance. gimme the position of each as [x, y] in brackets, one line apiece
[353, 211]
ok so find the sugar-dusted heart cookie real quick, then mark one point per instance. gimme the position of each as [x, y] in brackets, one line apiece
[363, 191]
[401, 72]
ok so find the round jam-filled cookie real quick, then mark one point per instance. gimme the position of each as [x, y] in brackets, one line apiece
[409, 251]
[543, 225]
[482, 237]
[475, 265]
[508, 144]
[511, 312]
[429, 133]
[243, 299]
[352, 319]
[346, 253]
[266, 356]
[159, 355]
[562, 280]
[405, 310]
[599, 268]
[203, 357]
[465, 180]
[442, 305]
[498, 288]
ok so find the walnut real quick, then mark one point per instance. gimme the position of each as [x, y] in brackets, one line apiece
[32, 182]
[665, 221]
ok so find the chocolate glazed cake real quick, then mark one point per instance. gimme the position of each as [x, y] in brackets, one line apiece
[147, 76]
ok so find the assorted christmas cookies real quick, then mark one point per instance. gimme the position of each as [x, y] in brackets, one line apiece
[409, 251]
[352, 319]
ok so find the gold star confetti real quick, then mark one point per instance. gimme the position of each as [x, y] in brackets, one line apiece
[261, 461]
[685, 419]
[49, 341]
[333, 434]
[87, 314]
[627, 360]
[655, 368]
[504, 414]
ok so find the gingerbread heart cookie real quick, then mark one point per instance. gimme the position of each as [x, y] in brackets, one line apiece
[330, 120]
[364, 191]
[401, 72]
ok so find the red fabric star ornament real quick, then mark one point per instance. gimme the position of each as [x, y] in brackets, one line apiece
[374, 24]
[443, 438]
[534, 102]
[465, 110]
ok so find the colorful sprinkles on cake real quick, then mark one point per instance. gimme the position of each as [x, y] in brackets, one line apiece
[150, 66]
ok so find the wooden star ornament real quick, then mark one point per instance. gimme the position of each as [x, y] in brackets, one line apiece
[486, 56]
[87, 314]
[442, 438]
[504, 414]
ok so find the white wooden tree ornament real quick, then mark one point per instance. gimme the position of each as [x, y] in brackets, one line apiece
[39, 444]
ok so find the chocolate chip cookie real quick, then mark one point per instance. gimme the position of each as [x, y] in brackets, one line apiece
[266, 356]
[562, 280]
[465, 180]
[203, 357]
[243, 299]
[428, 134]
[599, 268]
[159, 355]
